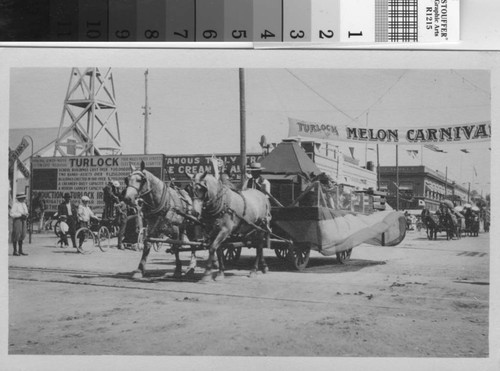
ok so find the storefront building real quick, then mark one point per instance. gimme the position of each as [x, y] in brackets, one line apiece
[420, 187]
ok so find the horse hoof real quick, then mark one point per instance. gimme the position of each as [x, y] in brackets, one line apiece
[252, 273]
[177, 274]
[206, 278]
[137, 275]
[265, 269]
[190, 273]
[219, 276]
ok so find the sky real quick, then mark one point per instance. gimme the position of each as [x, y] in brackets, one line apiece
[196, 111]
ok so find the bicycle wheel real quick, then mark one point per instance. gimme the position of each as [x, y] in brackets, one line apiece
[57, 228]
[85, 240]
[104, 238]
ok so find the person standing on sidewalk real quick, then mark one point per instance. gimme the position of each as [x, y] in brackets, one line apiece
[69, 209]
[39, 208]
[19, 215]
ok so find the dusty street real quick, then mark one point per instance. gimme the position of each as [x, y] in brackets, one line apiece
[419, 299]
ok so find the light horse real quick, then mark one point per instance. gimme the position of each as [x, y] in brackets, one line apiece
[160, 204]
[226, 213]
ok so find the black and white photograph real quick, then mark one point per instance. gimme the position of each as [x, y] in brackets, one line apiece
[251, 210]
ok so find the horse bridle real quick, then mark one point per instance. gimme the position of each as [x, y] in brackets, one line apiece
[138, 190]
[218, 207]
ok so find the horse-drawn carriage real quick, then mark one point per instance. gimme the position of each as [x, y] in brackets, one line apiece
[236, 219]
[454, 221]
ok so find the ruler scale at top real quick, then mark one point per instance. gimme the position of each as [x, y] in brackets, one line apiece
[287, 21]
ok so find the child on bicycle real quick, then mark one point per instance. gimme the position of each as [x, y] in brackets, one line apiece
[63, 231]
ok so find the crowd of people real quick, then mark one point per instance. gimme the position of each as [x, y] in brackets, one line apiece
[72, 217]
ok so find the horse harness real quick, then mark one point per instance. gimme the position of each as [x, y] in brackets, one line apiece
[216, 208]
[164, 206]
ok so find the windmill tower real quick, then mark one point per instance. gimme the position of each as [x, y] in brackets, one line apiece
[89, 123]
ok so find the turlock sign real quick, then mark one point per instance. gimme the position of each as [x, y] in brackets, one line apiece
[472, 132]
[85, 176]
[88, 175]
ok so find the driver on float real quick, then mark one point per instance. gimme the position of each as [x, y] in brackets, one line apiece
[257, 181]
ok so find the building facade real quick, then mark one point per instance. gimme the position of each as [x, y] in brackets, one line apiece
[419, 187]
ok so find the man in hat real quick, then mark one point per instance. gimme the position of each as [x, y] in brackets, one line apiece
[257, 181]
[110, 198]
[69, 209]
[85, 215]
[19, 215]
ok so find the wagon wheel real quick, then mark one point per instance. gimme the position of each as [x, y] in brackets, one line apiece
[343, 256]
[281, 252]
[104, 237]
[299, 256]
[231, 254]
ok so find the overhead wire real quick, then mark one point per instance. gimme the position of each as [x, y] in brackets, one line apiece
[471, 83]
[319, 95]
[382, 95]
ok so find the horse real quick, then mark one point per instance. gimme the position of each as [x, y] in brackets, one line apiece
[164, 209]
[474, 225]
[445, 223]
[431, 223]
[226, 213]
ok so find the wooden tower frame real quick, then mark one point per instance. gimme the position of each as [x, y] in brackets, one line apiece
[89, 123]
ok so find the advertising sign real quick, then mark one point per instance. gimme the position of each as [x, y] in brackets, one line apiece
[14, 155]
[177, 166]
[88, 175]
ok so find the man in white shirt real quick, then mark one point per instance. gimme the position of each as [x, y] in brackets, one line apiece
[85, 214]
[257, 181]
[19, 215]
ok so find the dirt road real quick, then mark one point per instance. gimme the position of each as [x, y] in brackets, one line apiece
[419, 299]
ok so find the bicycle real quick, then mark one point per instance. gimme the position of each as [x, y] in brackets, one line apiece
[94, 235]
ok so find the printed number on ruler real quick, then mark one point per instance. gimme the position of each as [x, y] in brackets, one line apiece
[209, 34]
[328, 34]
[297, 34]
[122, 34]
[184, 34]
[267, 34]
[151, 34]
[93, 30]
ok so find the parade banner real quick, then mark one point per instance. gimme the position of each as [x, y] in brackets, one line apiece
[459, 133]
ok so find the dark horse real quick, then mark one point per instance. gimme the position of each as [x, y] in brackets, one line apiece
[226, 213]
[434, 224]
[160, 204]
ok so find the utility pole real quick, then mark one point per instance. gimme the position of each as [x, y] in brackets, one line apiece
[146, 113]
[378, 168]
[446, 183]
[397, 178]
[243, 141]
